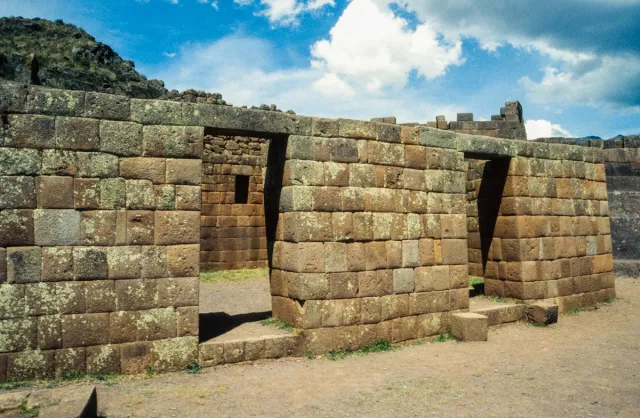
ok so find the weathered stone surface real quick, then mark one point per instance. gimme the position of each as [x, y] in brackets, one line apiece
[77, 134]
[24, 264]
[85, 330]
[103, 359]
[172, 141]
[121, 138]
[17, 192]
[90, 263]
[30, 131]
[469, 326]
[16, 162]
[31, 365]
[181, 171]
[106, 106]
[55, 192]
[54, 102]
[177, 227]
[97, 164]
[542, 313]
[177, 292]
[153, 169]
[174, 354]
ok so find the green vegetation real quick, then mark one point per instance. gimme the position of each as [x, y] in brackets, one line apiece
[377, 347]
[234, 275]
[34, 411]
[194, 367]
[609, 301]
[447, 336]
[61, 55]
[275, 322]
[11, 385]
[475, 280]
[578, 311]
[151, 371]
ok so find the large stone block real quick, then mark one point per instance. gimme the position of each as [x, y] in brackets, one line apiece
[136, 294]
[70, 360]
[177, 227]
[121, 138]
[182, 171]
[124, 262]
[55, 192]
[469, 326]
[31, 365]
[154, 262]
[13, 302]
[59, 162]
[542, 313]
[24, 264]
[47, 101]
[57, 264]
[135, 357]
[98, 227]
[17, 162]
[106, 106]
[140, 194]
[30, 131]
[153, 169]
[173, 141]
[139, 226]
[183, 260]
[77, 134]
[188, 321]
[157, 324]
[112, 193]
[49, 332]
[103, 359]
[85, 330]
[100, 296]
[16, 227]
[90, 263]
[17, 192]
[174, 354]
[13, 97]
[188, 197]
[97, 164]
[156, 112]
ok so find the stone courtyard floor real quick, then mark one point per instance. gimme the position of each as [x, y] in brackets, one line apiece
[586, 365]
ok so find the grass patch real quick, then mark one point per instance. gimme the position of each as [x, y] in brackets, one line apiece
[447, 336]
[233, 275]
[194, 367]
[498, 299]
[278, 323]
[578, 311]
[377, 347]
[609, 301]
[11, 385]
[475, 280]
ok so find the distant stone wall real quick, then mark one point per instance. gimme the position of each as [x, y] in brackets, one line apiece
[508, 124]
[622, 163]
[233, 234]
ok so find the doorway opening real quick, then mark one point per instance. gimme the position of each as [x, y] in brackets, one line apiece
[235, 294]
[486, 179]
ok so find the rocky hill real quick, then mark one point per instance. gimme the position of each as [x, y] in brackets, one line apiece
[56, 54]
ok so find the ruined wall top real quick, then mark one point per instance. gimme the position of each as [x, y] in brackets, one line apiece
[19, 98]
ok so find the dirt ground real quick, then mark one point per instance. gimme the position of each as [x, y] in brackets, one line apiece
[586, 365]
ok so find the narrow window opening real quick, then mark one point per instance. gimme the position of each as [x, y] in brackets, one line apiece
[242, 189]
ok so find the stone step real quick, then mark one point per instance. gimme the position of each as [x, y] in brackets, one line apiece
[214, 353]
[502, 313]
[469, 326]
[70, 401]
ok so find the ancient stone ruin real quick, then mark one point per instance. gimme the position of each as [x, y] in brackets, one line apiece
[109, 206]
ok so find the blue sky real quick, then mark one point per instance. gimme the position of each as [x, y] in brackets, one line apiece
[574, 64]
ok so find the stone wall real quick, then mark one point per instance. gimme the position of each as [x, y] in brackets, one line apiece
[100, 207]
[622, 165]
[508, 124]
[233, 234]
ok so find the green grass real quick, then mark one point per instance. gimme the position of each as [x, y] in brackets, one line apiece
[609, 301]
[278, 323]
[194, 367]
[474, 280]
[233, 275]
[498, 299]
[11, 385]
[578, 311]
[377, 347]
[447, 336]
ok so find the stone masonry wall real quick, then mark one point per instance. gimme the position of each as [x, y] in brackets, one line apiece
[233, 235]
[622, 166]
[100, 208]
[99, 229]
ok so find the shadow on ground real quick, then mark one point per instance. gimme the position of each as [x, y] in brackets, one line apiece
[214, 324]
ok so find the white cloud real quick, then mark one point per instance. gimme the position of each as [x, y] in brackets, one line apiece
[286, 12]
[588, 41]
[244, 71]
[544, 129]
[331, 85]
[169, 54]
[371, 46]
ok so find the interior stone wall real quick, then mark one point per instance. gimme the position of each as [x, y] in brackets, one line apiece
[233, 235]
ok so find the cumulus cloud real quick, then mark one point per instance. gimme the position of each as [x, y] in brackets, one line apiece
[544, 129]
[587, 40]
[244, 70]
[371, 46]
[286, 12]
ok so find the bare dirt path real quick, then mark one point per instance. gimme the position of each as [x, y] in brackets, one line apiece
[586, 365]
